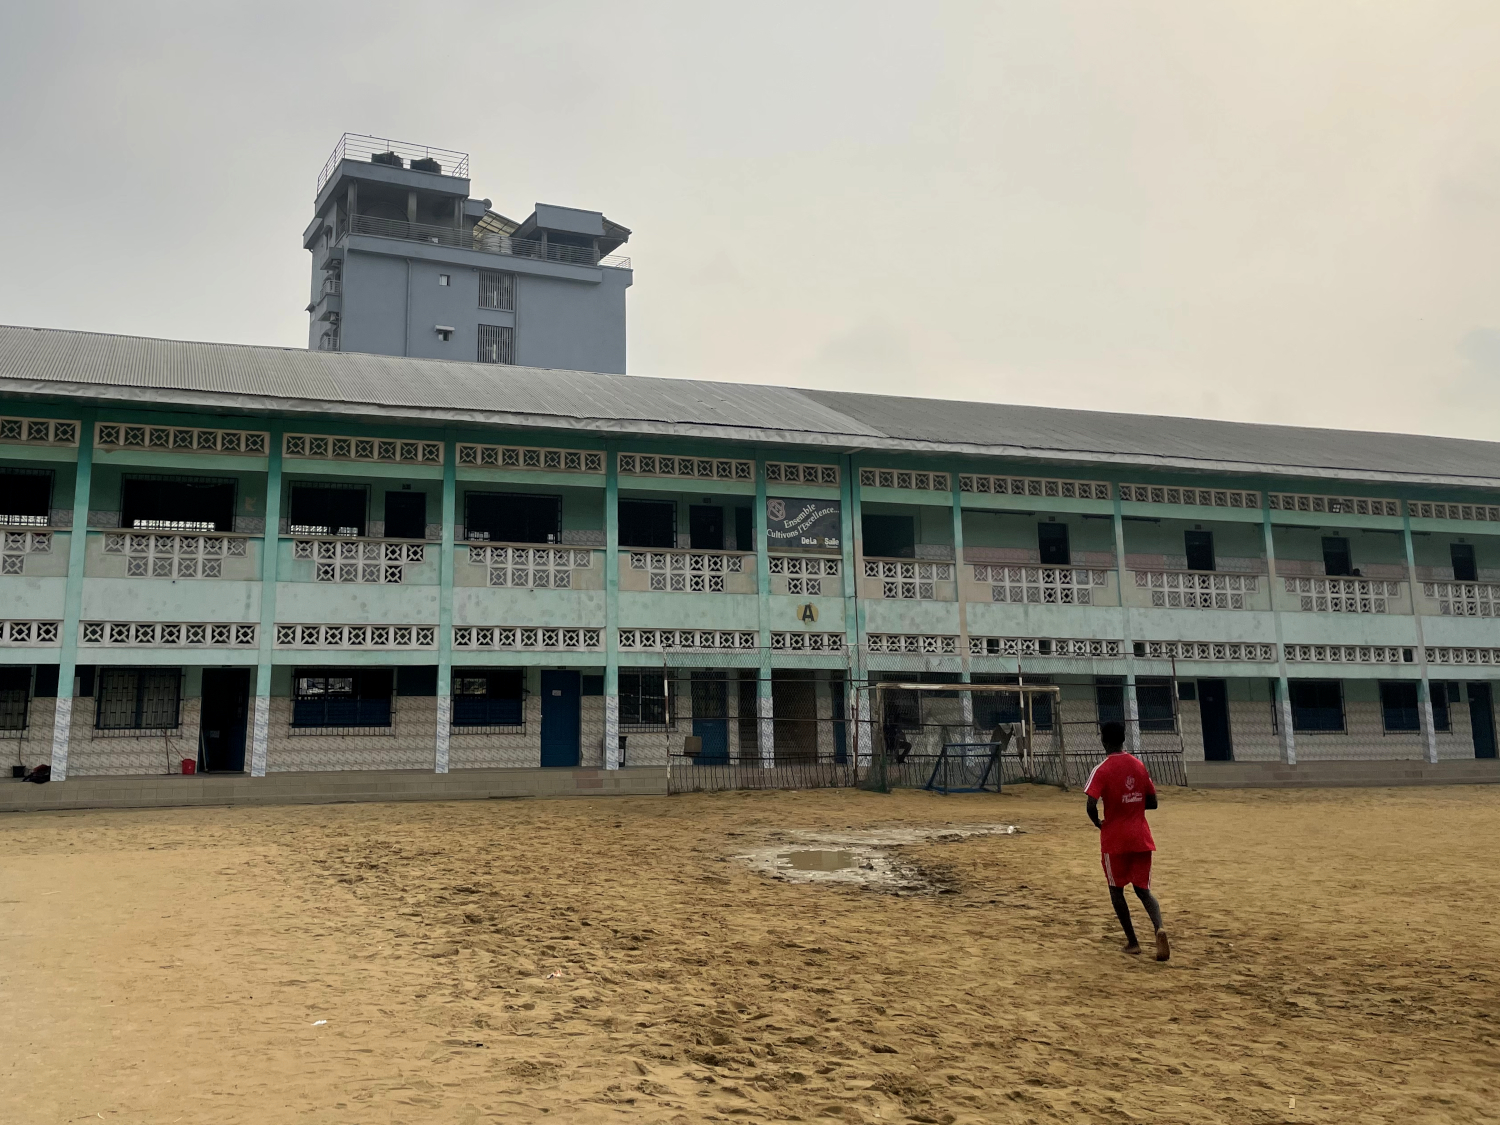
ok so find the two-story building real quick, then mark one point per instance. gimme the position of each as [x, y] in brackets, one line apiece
[278, 561]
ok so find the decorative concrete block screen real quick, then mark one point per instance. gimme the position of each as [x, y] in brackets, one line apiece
[526, 457]
[1199, 497]
[782, 472]
[1332, 505]
[392, 451]
[181, 439]
[1033, 486]
[696, 468]
[38, 431]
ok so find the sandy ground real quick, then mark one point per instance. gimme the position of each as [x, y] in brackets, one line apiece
[1336, 959]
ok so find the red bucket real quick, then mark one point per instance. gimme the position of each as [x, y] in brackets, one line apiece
[189, 765]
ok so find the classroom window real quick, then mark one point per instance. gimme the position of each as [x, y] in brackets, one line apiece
[1052, 544]
[406, 515]
[889, 537]
[1336, 557]
[648, 523]
[1399, 706]
[494, 698]
[1199, 548]
[1153, 701]
[138, 698]
[1443, 696]
[998, 709]
[25, 497]
[1109, 700]
[512, 517]
[1465, 569]
[15, 694]
[176, 504]
[1317, 705]
[645, 699]
[342, 697]
[327, 509]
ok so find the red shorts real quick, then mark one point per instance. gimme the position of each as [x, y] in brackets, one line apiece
[1128, 867]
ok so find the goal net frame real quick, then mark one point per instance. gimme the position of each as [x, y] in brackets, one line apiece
[1048, 765]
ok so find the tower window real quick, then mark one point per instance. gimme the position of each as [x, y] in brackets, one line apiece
[497, 343]
[497, 290]
[445, 279]
[1465, 569]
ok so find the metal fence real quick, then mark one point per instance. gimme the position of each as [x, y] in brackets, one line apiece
[467, 238]
[383, 150]
[822, 732]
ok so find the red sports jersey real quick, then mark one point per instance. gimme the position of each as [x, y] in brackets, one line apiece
[1122, 783]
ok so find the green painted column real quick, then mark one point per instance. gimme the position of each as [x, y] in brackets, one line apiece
[1283, 701]
[1429, 729]
[78, 536]
[766, 725]
[853, 651]
[270, 553]
[611, 607]
[1127, 631]
[765, 707]
[856, 554]
[445, 607]
[965, 699]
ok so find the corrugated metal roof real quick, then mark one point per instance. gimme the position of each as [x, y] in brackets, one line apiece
[235, 377]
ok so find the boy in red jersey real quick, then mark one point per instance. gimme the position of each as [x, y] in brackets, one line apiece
[1125, 842]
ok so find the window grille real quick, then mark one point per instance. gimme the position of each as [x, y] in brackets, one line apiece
[15, 695]
[1332, 505]
[686, 571]
[701, 468]
[1464, 599]
[344, 560]
[530, 568]
[391, 451]
[786, 473]
[494, 700]
[173, 556]
[168, 635]
[497, 290]
[138, 699]
[668, 640]
[508, 637]
[1343, 595]
[1349, 654]
[497, 343]
[904, 478]
[344, 698]
[805, 575]
[181, 439]
[1044, 646]
[1033, 486]
[1317, 705]
[1446, 655]
[523, 457]
[1429, 511]
[903, 642]
[19, 544]
[908, 579]
[1199, 497]
[356, 636]
[647, 700]
[807, 642]
[1180, 590]
[38, 431]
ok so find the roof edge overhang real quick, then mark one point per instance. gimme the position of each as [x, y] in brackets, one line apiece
[170, 398]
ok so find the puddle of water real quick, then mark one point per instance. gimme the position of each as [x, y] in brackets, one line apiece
[820, 860]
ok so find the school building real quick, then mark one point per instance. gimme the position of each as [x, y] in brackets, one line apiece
[398, 559]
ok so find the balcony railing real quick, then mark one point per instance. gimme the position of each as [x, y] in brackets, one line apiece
[465, 238]
[1344, 595]
[396, 154]
[1042, 585]
[692, 572]
[1172, 589]
[1465, 599]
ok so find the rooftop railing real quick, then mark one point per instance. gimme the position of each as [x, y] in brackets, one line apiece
[397, 154]
[468, 239]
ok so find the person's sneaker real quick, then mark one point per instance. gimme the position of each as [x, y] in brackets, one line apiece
[1163, 947]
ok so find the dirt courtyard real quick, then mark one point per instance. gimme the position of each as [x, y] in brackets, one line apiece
[1336, 958]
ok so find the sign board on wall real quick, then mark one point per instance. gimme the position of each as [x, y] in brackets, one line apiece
[803, 523]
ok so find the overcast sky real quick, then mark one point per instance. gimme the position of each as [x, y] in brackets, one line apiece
[1270, 211]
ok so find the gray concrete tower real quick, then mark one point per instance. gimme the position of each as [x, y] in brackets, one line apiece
[404, 262]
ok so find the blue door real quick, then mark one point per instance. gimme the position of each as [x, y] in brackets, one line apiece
[560, 725]
[711, 715]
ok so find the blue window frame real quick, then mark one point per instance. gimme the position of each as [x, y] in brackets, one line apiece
[489, 698]
[342, 697]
